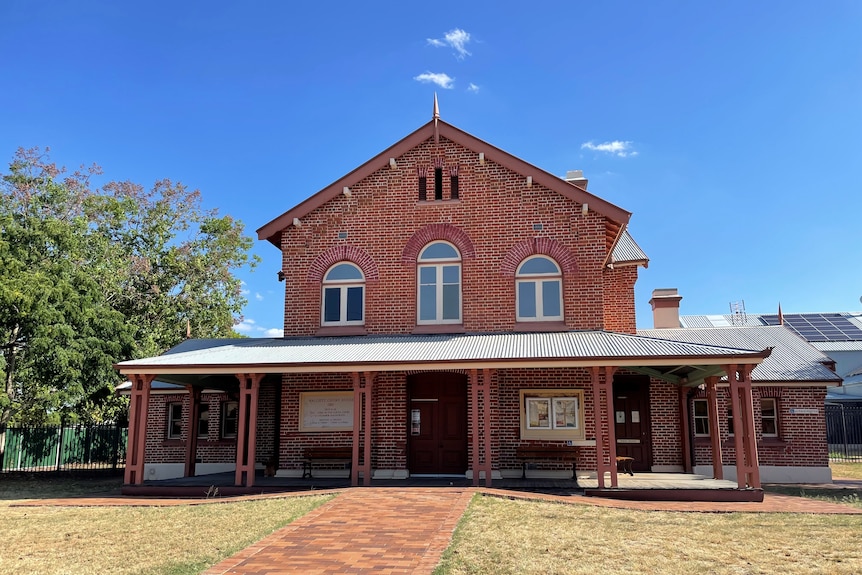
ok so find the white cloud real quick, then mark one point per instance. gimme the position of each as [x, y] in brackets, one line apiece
[617, 148]
[473, 88]
[274, 333]
[245, 326]
[457, 39]
[442, 79]
[258, 297]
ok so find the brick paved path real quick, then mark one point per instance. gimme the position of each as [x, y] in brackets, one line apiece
[381, 531]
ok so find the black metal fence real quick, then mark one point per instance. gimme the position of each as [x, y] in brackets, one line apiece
[844, 431]
[63, 447]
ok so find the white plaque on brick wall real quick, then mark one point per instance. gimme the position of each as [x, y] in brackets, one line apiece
[326, 411]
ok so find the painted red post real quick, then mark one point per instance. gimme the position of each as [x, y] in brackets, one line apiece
[486, 387]
[685, 429]
[137, 441]
[369, 392]
[357, 427]
[192, 431]
[714, 434]
[612, 433]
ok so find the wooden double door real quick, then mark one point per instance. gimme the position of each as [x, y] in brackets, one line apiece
[437, 424]
[632, 420]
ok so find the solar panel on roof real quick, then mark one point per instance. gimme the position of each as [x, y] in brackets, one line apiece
[819, 326]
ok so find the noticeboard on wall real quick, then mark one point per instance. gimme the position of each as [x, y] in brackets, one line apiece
[326, 411]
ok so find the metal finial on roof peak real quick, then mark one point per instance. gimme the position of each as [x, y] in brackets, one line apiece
[436, 114]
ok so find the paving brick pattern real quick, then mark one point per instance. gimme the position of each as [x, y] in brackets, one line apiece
[385, 531]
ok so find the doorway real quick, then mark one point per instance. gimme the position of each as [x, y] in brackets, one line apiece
[437, 424]
[632, 420]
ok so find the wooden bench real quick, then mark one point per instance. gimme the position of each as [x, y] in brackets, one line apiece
[547, 452]
[312, 455]
[625, 464]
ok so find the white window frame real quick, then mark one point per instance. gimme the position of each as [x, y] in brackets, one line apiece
[704, 418]
[175, 417]
[439, 264]
[774, 417]
[343, 287]
[538, 279]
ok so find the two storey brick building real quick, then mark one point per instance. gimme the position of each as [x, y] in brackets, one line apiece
[447, 306]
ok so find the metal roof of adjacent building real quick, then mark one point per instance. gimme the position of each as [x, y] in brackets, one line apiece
[837, 331]
[792, 358]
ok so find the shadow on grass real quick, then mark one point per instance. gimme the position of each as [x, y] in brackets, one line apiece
[53, 485]
[844, 496]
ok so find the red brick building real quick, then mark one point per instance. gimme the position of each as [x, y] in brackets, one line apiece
[448, 308]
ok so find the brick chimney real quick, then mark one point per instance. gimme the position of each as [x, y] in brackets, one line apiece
[665, 308]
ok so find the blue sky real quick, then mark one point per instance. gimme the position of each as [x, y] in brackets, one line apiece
[732, 130]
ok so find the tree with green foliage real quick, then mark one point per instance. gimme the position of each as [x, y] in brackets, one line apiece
[93, 276]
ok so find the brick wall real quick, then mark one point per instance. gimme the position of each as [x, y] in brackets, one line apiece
[495, 214]
[801, 438]
[212, 449]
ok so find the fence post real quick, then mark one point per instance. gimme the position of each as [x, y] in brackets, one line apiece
[60, 444]
[115, 455]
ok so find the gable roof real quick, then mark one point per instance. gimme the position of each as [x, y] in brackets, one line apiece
[272, 230]
[628, 252]
[792, 358]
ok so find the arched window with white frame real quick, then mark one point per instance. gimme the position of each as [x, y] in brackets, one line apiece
[539, 290]
[343, 296]
[439, 284]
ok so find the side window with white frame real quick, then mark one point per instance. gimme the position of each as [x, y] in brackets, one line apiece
[701, 418]
[553, 414]
[539, 290]
[343, 295]
[229, 419]
[175, 420]
[769, 416]
[439, 284]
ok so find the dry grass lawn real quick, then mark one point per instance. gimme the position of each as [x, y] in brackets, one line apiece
[133, 540]
[508, 537]
[846, 470]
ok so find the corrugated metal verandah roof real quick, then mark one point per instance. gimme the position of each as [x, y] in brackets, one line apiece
[792, 358]
[428, 352]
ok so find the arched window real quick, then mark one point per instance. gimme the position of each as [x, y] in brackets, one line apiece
[343, 295]
[439, 284]
[539, 290]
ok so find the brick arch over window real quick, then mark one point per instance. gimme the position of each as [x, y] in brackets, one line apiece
[342, 253]
[435, 232]
[538, 246]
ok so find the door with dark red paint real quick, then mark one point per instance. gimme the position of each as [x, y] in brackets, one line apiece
[437, 423]
[632, 419]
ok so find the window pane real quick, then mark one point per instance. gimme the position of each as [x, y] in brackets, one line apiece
[551, 298]
[343, 272]
[701, 408]
[538, 266]
[701, 426]
[354, 304]
[204, 421]
[451, 274]
[451, 301]
[439, 251]
[428, 302]
[769, 427]
[427, 275]
[767, 407]
[526, 299]
[332, 304]
[229, 421]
